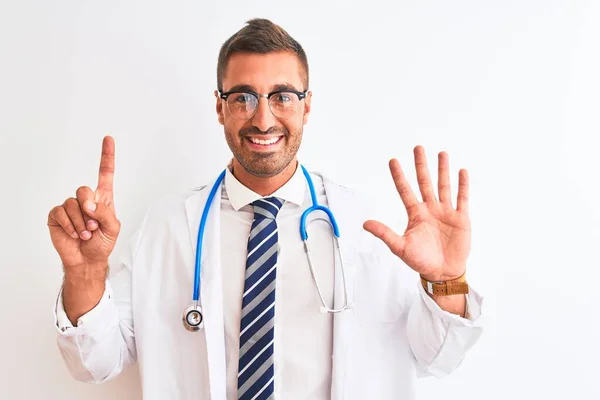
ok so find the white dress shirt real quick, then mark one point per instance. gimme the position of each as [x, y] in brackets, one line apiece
[303, 335]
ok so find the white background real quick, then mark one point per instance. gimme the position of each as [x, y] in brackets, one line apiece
[509, 88]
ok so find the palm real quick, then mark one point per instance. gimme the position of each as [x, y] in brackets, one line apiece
[437, 239]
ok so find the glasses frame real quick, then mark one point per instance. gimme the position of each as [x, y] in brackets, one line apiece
[224, 96]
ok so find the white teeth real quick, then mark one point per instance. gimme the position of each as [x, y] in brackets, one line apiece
[264, 142]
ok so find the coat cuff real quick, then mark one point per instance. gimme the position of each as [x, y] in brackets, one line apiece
[474, 306]
[440, 339]
[90, 321]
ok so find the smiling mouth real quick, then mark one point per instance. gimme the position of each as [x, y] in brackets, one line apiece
[264, 142]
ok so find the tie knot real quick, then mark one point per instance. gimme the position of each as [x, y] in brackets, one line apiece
[267, 207]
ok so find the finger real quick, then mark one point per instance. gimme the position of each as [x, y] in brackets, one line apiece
[444, 190]
[106, 172]
[394, 241]
[106, 218]
[71, 206]
[91, 224]
[462, 203]
[58, 217]
[82, 194]
[423, 175]
[406, 194]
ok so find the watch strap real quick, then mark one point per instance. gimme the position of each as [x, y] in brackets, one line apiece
[446, 288]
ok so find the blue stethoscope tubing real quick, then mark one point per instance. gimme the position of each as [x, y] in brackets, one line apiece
[192, 316]
[315, 206]
[211, 196]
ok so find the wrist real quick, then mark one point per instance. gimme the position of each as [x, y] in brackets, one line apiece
[441, 277]
[455, 304]
[85, 274]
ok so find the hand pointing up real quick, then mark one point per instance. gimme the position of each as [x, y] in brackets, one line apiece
[84, 229]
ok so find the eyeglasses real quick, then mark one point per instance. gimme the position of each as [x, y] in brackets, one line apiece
[282, 103]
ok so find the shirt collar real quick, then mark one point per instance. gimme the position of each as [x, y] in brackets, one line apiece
[239, 195]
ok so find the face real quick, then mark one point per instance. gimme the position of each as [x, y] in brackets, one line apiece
[264, 145]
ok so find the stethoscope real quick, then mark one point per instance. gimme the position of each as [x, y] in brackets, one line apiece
[193, 318]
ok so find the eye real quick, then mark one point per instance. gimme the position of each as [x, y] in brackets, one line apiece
[240, 98]
[283, 97]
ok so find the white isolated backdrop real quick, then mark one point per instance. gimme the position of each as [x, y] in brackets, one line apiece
[509, 88]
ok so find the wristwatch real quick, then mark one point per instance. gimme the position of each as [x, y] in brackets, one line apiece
[446, 288]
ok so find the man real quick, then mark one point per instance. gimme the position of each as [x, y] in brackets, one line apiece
[267, 330]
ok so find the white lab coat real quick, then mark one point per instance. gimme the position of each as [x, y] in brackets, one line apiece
[392, 333]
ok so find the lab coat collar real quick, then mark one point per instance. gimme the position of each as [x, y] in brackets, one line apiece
[239, 195]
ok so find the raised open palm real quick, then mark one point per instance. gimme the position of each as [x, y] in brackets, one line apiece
[437, 239]
[82, 235]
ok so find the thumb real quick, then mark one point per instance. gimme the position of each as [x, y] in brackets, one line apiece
[104, 215]
[380, 230]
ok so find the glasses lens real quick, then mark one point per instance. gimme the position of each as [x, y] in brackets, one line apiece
[284, 104]
[242, 105]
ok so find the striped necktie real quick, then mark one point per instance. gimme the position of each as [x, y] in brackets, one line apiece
[256, 363]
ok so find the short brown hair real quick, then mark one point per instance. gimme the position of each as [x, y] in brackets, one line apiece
[260, 36]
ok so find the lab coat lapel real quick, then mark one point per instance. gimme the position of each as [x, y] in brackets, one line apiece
[346, 213]
[211, 292]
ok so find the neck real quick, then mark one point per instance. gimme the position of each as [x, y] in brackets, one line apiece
[263, 186]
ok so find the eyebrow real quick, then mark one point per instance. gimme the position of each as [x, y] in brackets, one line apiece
[250, 88]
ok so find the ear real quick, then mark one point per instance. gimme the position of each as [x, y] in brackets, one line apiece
[220, 108]
[307, 100]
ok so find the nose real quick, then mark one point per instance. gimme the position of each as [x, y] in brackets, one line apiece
[263, 119]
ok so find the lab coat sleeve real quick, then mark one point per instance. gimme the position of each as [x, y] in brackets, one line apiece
[440, 340]
[102, 343]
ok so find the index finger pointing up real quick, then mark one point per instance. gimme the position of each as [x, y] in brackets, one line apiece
[106, 173]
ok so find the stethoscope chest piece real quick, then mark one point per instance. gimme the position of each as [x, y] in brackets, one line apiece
[192, 318]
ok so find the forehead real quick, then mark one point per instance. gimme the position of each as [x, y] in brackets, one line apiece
[262, 72]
